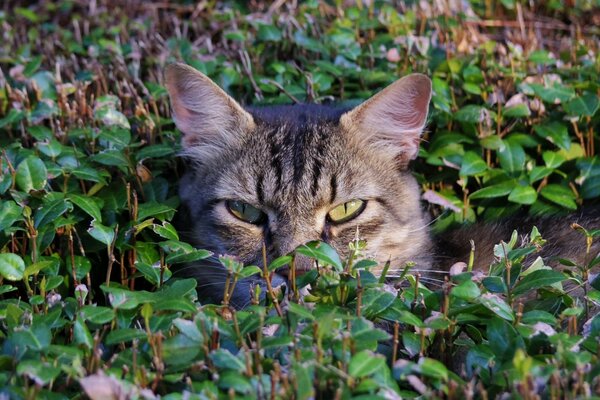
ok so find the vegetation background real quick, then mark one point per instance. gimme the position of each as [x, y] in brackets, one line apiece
[88, 189]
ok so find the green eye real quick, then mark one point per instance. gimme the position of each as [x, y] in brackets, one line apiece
[245, 211]
[347, 211]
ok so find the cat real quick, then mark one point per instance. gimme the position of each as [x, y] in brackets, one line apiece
[286, 175]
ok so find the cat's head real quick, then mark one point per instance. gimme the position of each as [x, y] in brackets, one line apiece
[287, 175]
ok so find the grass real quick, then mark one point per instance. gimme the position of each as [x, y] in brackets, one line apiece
[87, 295]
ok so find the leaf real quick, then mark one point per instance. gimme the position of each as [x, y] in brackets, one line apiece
[114, 158]
[433, 368]
[553, 159]
[322, 252]
[50, 211]
[12, 266]
[223, 359]
[166, 230]
[498, 306]
[472, 164]
[555, 94]
[467, 290]
[517, 111]
[152, 209]
[523, 195]
[97, 314]
[112, 117]
[498, 190]
[512, 157]
[82, 334]
[87, 204]
[31, 174]
[268, 33]
[365, 363]
[538, 279]
[182, 256]
[472, 114]
[10, 213]
[300, 311]
[585, 105]
[154, 151]
[560, 195]
[556, 133]
[42, 373]
[101, 233]
[124, 335]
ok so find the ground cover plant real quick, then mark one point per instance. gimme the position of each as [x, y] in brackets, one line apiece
[90, 301]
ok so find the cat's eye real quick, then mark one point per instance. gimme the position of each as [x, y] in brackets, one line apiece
[346, 211]
[245, 211]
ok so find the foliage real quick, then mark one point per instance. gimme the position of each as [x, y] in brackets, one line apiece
[87, 186]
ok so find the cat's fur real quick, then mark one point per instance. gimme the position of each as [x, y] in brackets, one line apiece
[295, 163]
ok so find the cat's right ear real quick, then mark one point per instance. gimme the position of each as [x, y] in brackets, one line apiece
[208, 117]
[393, 119]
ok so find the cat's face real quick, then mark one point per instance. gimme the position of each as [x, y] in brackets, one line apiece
[287, 175]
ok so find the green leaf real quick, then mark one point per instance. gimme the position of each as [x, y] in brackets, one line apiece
[472, 114]
[38, 267]
[97, 314]
[300, 311]
[249, 271]
[523, 195]
[115, 138]
[101, 233]
[493, 191]
[585, 105]
[152, 209]
[88, 205]
[10, 213]
[322, 252]
[82, 334]
[223, 359]
[365, 363]
[512, 157]
[114, 158]
[560, 195]
[279, 262]
[111, 117]
[472, 164]
[555, 132]
[538, 279]
[154, 151]
[31, 174]
[124, 335]
[12, 266]
[553, 159]
[467, 290]
[498, 306]
[50, 211]
[42, 373]
[166, 230]
[433, 368]
[555, 94]
[517, 111]
[269, 33]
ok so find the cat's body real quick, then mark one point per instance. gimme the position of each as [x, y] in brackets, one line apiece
[287, 175]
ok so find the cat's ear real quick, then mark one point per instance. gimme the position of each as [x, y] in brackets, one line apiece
[207, 116]
[394, 118]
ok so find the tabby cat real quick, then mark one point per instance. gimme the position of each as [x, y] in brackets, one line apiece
[286, 175]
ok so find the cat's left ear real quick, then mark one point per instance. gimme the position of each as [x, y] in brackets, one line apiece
[394, 118]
